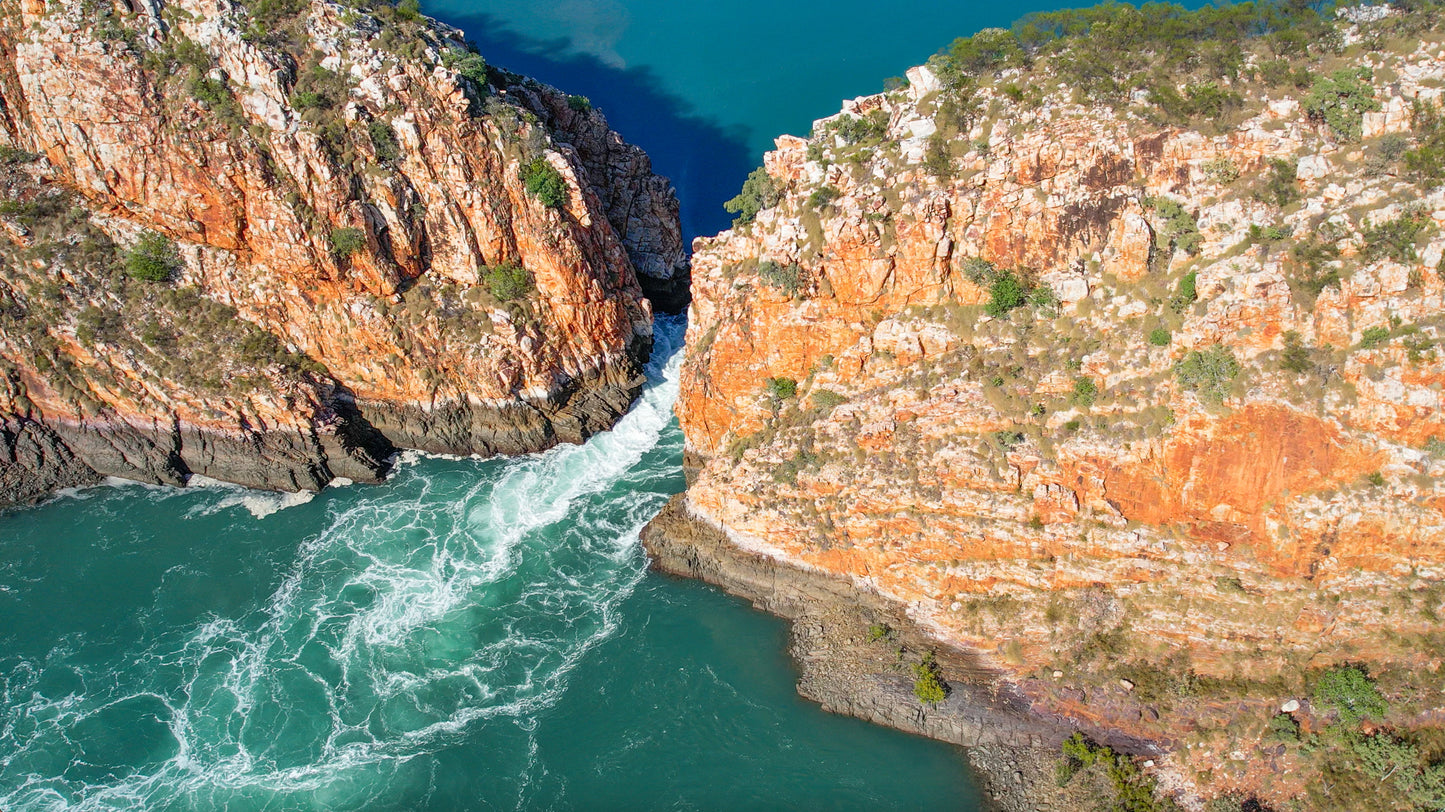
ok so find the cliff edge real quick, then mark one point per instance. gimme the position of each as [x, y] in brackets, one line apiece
[1116, 365]
[269, 241]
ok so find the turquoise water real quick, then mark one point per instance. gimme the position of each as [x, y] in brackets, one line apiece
[705, 87]
[470, 635]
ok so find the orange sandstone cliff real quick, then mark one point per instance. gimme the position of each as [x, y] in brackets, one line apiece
[1148, 418]
[267, 242]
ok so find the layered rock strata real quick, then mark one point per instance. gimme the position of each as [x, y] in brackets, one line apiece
[1147, 418]
[396, 245]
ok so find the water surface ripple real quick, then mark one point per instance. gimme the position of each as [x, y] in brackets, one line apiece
[430, 643]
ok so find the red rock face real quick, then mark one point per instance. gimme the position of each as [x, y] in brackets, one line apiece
[1026, 482]
[419, 161]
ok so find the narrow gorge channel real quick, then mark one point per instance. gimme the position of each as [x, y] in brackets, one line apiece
[624, 404]
[471, 634]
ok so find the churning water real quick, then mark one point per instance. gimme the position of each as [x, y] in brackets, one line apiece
[473, 634]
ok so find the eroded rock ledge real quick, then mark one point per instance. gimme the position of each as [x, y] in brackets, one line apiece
[849, 669]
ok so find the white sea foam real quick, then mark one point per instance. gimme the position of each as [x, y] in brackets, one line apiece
[447, 598]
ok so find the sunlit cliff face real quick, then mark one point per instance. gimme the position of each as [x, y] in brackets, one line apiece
[1187, 438]
[346, 186]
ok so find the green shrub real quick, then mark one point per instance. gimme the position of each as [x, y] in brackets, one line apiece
[152, 259]
[1341, 100]
[12, 156]
[781, 388]
[827, 399]
[1279, 72]
[318, 95]
[383, 141]
[1308, 274]
[1043, 297]
[1426, 161]
[1208, 374]
[545, 182]
[1186, 293]
[579, 104]
[409, 11]
[1085, 391]
[95, 325]
[787, 278]
[937, 160]
[1395, 239]
[347, 241]
[1261, 235]
[213, 92]
[1386, 758]
[1180, 229]
[1373, 337]
[508, 282]
[309, 100]
[759, 192]
[979, 270]
[468, 64]
[867, 130]
[1159, 337]
[991, 49]
[1283, 728]
[1008, 439]
[1221, 170]
[1133, 790]
[878, 631]
[928, 686]
[1199, 99]
[1006, 293]
[1387, 152]
[1296, 356]
[823, 196]
[1279, 185]
[1230, 584]
[1350, 692]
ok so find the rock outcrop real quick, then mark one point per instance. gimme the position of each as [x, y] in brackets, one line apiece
[268, 242]
[1145, 418]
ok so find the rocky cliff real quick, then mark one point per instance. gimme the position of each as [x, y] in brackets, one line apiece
[267, 241]
[1142, 410]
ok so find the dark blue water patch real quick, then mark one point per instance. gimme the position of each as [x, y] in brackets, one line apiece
[705, 159]
[706, 87]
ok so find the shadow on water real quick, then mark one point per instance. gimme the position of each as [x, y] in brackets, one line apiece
[705, 160]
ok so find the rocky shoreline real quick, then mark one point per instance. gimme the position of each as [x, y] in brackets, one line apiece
[848, 667]
[354, 441]
[571, 413]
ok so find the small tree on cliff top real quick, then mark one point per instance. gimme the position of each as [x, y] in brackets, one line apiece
[759, 192]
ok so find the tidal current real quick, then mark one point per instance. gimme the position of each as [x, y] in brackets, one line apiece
[472, 634]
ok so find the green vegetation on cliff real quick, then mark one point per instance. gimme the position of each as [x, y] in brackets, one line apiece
[111, 301]
[1191, 62]
[545, 183]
